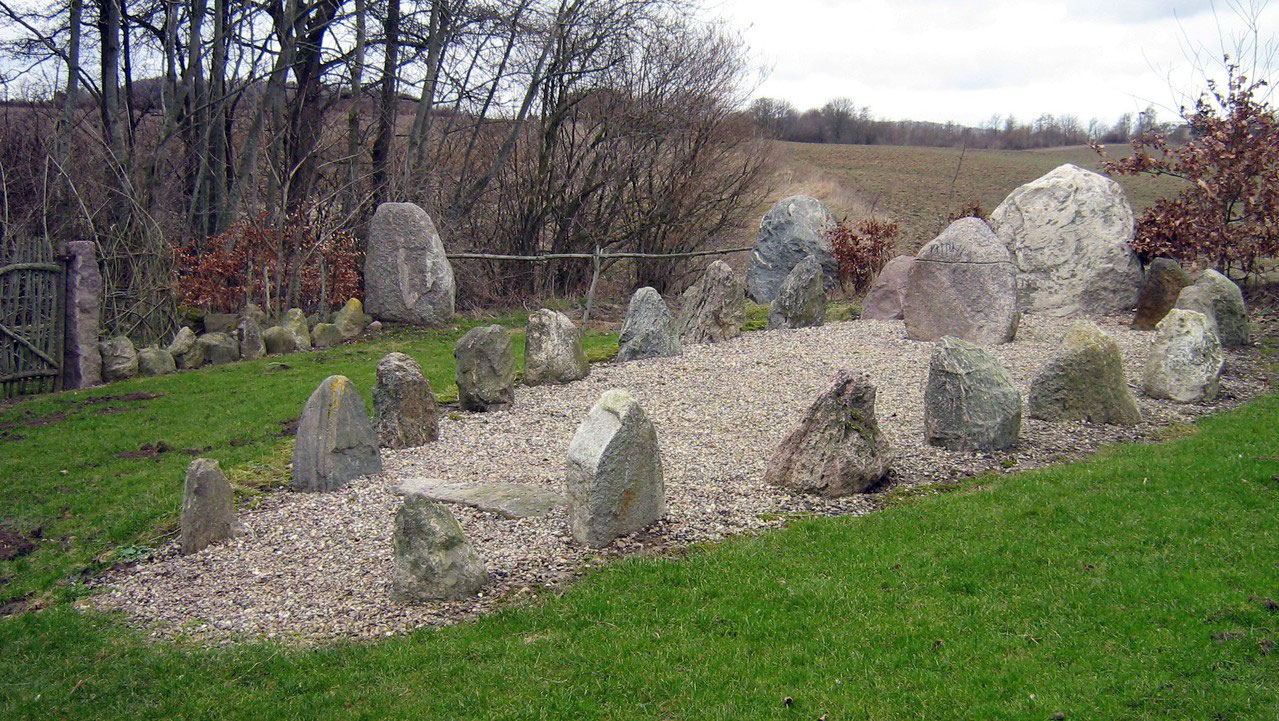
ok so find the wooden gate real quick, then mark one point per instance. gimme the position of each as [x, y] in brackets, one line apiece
[31, 317]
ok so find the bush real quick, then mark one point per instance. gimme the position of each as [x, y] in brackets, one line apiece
[861, 251]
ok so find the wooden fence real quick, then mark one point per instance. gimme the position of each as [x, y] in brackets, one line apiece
[32, 313]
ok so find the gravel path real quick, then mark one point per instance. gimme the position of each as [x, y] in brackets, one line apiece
[310, 567]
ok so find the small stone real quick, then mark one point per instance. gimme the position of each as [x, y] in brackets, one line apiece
[1185, 362]
[1164, 280]
[208, 507]
[252, 346]
[335, 441]
[649, 330]
[326, 335]
[962, 284]
[1218, 298]
[154, 361]
[1084, 381]
[714, 308]
[119, 359]
[404, 409]
[350, 319]
[970, 402]
[295, 321]
[795, 228]
[219, 322]
[553, 350]
[433, 558]
[218, 348]
[508, 500]
[192, 359]
[801, 299]
[374, 327]
[887, 295]
[485, 369]
[837, 448]
[615, 483]
[182, 342]
[279, 339]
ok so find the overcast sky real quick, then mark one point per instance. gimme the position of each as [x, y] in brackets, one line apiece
[965, 60]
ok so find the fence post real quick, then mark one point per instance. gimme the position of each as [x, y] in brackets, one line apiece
[81, 363]
[590, 292]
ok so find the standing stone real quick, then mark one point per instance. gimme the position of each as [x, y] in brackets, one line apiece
[962, 284]
[325, 335]
[801, 301]
[714, 308]
[434, 561]
[649, 330]
[182, 343]
[403, 404]
[615, 481]
[252, 346]
[81, 360]
[1084, 381]
[295, 321]
[887, 295]
[335, 441]
[1164, 280]
[970, 402]
[837, 448]
[553, 350]
[219, 322]
[1185, 362]
[792, 230]
[485, 369]
[1070, 233]
[407, 277]
[1217, 297]
[154, 361]
[350, 319]
[279, 339]
[218, 348]
[208, 508]
[119, 359]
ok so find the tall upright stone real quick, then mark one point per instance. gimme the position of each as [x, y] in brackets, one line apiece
[252, 346]
[887, 295]
[714, 308]
[649, 330]
[404, 410]
[407, 277]
[485, 369]
[963, 284]
[296, 323]
[82, 362]
[1084, 381]
[335, 441]
[433, 559]
[1218, 298]
[792, 230]
[350, 319]
[970, 401]
[1185, 361]
[1070, 233]
[801, 301]
[1164, 280]
[615, 483]
[553, 351]
[208, 507]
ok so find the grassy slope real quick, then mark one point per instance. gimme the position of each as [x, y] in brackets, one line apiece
[1132, 586]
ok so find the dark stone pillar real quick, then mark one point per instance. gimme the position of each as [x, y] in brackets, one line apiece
[81, 363]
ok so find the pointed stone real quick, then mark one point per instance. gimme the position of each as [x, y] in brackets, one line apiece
[1221, 301]
[350, 319]
[1164, 280]
[335, 441]
[801, 300]
[1084, 381]
[208, 507]
[407, 276]
[433, 559]
[795, 228]
[970, 402]
[404, 410]
[649, 330]
[714, 308]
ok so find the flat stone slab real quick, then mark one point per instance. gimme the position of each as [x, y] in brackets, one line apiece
[509, 500]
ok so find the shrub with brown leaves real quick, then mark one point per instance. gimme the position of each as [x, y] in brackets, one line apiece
[862, 251]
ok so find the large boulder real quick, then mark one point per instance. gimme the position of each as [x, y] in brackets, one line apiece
[615, 484]
[970, 401]
[433, 559]
[119, 359]
[335, 441]
[837, 448]
[887, 295]
[485, 369]
[553, 351]
[279, 339]
[1185, 361]
[801, 301]
[208, 507]
[1164, 280]
[295, 321]
[154, 361]
[1084, 381]
[649, 330]
[252, 346]
[350, 319]
[714, 308]
[407, 277]
[404, 411]
[1218, 298]
[792, 230]
[218, 348]
[963, 284]
[1070, 233]
[325, 335]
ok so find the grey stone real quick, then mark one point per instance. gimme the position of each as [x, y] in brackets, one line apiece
[1070, 233]
[614, 479]
[374, 327]
[1084, 381]
[485, 369]
[1164, 280]
[887, 295]
[81, 359]
[350, 319]
[208, 507]
[295, 321]
[335, 441]
[434, 561]
[154, 361]
[279, 339]
[1218, 298]
[1185, 361]
[970, 402]
[325, 335]
[407, 277]
[792, 230]
[714, 308]
[192, 359]
[508, 500]
[182, 343]
[801, 301]
[218, 348]
[837, 448]
[553, 350]
[252, 346]
[404, 410]
[649, 330]
[963, 284]
[119, 359]
[254, 311]
[219, 322]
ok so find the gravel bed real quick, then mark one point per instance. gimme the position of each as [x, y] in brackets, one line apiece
[311, 567]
